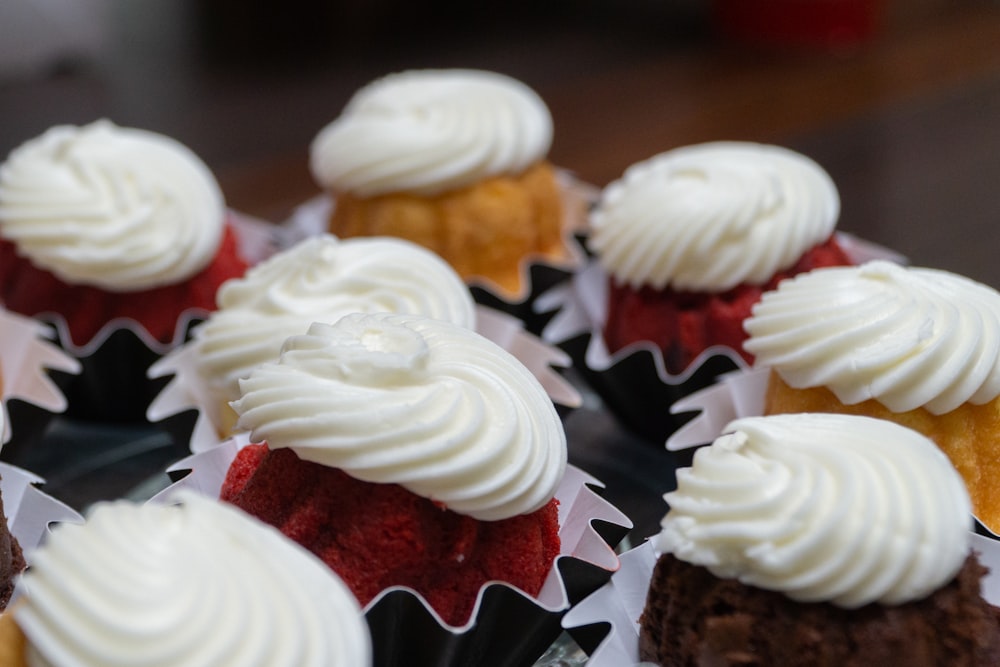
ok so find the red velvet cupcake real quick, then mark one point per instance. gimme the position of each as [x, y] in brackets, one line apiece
[102, 223]
[692, 237]
[119, 238]
[415, 542]
[405, 451]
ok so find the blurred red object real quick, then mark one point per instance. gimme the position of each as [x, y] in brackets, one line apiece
[802, 23]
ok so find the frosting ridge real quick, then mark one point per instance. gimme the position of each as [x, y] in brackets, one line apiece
[708, 217]
[433, 407]
[118, 208]
[822, 507]
[321, 279]
[430, 131]
[198, 583]
[907, 337]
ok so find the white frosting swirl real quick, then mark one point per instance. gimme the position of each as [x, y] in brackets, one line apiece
[834, 508]
[430, 131]
[197, 584]
[906, 337]
[712, 216]
[433, 407]
[322, 279]
[117, 208]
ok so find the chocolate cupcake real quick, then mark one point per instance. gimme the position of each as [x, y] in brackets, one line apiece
[805, 539]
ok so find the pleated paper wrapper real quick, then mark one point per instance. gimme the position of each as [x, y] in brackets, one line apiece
[606, 623]
[27, 356]
[112, 385]
[508, 627]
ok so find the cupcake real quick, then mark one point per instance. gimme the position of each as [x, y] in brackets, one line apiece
[102, 223]
[320, 279]
[692, 237]
[405, 451]
[196, 583]
[104, 228]
[818, 539]
[455, 160]
[917, 346]
[684, 243]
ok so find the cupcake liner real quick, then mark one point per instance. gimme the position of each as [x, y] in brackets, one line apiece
[186, 389]
[508, 627]
[606, 624]
[112, 385]
[633, 381]
[538, 274]
[30, 511]
[26, 358]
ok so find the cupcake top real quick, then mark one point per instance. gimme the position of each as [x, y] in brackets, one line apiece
[430, 131]
[116, 208]
[199, 583]
[426, 404]
[906, 337]
[712, 216]
[322, 279]
[823, 508]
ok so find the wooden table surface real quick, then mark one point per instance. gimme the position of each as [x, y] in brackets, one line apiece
[908, 126]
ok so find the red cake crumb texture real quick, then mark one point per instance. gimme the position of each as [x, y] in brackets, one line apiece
[31, 291]
[380, 535]
[694, 618]
[684, 324]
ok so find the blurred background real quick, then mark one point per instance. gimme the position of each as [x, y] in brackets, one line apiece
[898, 99]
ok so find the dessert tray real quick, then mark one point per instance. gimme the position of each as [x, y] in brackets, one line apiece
[85, 462]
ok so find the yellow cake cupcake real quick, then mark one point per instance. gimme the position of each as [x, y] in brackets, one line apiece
[918, 346]
[455, 160]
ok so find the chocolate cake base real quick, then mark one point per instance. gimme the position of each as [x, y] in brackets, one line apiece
[11, 560]
[693, 618]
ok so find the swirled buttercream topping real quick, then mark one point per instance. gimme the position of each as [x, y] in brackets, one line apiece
[117, 208]
[433, 407]
[907, 337]
[708, 217]
[322, 279]
[430, 131]
[201, 583]
[823, 508]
